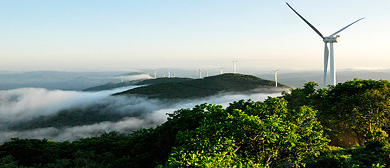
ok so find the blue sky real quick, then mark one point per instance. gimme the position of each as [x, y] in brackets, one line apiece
[119, 35]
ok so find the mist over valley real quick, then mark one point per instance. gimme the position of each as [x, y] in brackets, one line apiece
[68, 115]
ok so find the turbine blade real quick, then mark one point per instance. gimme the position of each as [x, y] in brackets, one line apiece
[326, 58]
[346, 27]
[318, 32]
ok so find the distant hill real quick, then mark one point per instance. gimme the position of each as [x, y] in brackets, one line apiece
[131, 74]
[196, 88]
[109, 86]
[53, 80]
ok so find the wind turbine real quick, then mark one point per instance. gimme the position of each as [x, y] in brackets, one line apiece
[207, 73]
[234, 66]
[155, 74]
[276, 77]
[200, 74]
[221, 71]
[329, 39]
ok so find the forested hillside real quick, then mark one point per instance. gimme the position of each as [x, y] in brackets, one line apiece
[110, 86]
[197, 88]
[346, 125]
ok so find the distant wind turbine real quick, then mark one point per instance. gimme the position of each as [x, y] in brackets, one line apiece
[276, 77]
[207, 73]
[169, 73]
[200, 74]
[155, 74]
[234, 66]
[221, 71]
[330, 39]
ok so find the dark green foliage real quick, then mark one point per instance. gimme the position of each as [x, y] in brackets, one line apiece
[8, 162]
[30, 152]
[353, 112]
[208, 86]
[353, 157]
[301, 96]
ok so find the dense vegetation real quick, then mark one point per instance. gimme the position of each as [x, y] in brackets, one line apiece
[354, 112]
[341, 126]
[197, 88]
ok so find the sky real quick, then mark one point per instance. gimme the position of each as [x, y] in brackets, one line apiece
[70, 35]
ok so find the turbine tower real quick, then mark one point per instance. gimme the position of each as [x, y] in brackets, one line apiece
[234, 66]
[221, 71]
[329, 39]
[207, 73]
[200, 74]
[155, 74]
[276, 77]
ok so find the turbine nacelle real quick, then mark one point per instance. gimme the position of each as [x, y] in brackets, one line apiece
[331, 39]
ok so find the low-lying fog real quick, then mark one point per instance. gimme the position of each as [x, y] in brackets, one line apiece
[69, 115]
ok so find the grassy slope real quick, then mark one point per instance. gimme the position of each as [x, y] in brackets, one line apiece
[202, 87]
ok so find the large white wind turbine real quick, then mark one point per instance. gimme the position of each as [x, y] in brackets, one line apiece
[329, 39]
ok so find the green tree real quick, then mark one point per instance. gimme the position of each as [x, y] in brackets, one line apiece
[30, 152]
[301, 96]
[362, 107]
[151, 147]
[271, 135]
[352, 112]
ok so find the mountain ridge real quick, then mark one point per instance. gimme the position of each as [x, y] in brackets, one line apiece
[208, 86]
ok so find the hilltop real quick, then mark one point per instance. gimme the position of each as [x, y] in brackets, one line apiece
[109, 86]
[208, 86]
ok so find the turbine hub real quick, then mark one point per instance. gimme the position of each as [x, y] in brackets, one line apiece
[331, 39]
